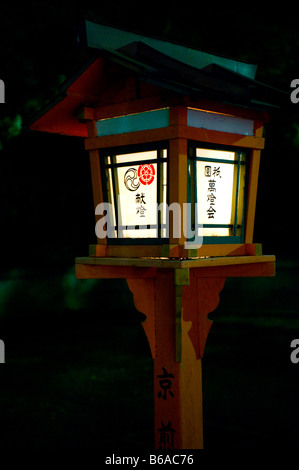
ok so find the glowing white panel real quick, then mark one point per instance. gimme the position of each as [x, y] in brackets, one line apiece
[219, 185]
[132, 186]
[137, 200]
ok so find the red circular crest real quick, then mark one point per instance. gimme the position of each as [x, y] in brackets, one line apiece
[146, 173]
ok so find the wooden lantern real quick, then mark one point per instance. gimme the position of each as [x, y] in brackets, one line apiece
[168, 125]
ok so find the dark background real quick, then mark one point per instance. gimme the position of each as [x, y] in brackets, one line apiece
[78, 370]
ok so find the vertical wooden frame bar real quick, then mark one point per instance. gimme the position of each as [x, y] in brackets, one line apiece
[252, 194]
[97, 188]
[178, 153]
[96, 178]
[253, 185]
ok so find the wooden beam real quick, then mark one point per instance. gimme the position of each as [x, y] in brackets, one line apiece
[85, 113]
[131, 138]
[177, 187]
[177, 183]
[125, 251]
[174, 132]
[155, 102]
[87, 271]
[178, 116]
[219, 261]
[264, 269]
[222, 138]
[96, 185]
[252, 195]
[128, 107]
[173, 251]
[230, 109]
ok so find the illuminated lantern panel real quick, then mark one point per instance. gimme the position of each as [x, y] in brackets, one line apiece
[216, 189]
[136, 187]
[135, 184]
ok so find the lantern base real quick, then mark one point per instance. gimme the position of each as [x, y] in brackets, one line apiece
[175, 250]
[263, 265]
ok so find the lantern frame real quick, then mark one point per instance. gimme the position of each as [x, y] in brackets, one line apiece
[239, 188]
[111, 180]
[110, 186]
[178, 137]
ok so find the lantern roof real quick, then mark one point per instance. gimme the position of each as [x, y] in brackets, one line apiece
[105, 37]
[179, 69]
